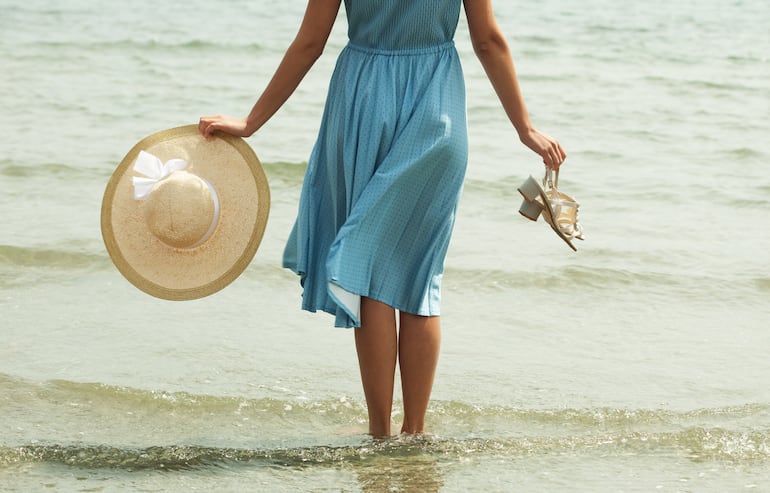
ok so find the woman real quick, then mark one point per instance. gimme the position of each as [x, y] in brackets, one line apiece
[384, 178]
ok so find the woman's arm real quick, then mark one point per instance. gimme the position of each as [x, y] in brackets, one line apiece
[299, 58]
[492, 50]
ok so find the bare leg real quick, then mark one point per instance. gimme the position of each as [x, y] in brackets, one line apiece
[419, 342]
[377, 346]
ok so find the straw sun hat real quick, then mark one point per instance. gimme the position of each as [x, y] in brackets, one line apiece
[182, 216]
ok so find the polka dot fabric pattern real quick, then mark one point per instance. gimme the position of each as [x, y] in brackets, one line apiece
[384, 179]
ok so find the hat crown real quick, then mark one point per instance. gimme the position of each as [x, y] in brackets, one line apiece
[181, 210]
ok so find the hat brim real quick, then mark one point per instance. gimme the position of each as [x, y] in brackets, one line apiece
[230, 165]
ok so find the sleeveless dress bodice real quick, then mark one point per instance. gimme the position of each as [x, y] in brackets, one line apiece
[401, 25]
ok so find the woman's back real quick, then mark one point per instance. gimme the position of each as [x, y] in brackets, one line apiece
[401, 24]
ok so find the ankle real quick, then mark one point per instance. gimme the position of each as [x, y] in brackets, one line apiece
[413, 427]
[379, 431]
[379, 427]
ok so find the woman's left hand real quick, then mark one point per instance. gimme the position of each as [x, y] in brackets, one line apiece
[547, 147]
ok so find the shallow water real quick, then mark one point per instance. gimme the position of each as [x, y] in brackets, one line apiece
[638, 363]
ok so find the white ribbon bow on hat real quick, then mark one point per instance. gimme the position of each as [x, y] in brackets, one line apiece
[153, 170]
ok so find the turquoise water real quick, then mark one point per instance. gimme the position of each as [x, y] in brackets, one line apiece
[638, 363]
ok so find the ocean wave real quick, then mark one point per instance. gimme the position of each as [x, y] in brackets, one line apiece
[17, 391]
[21, 266]
[601, 278]
[744, 154]
[748, 59]
[280, 172]
[763, 283]
[145, 45]
[177, 403]
[705, 85]
[61, 171]
[50, 258]
[695, 444]
[165, 403]
[285, 173]
[733, 433]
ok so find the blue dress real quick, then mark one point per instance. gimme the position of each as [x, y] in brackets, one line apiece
[384, 178]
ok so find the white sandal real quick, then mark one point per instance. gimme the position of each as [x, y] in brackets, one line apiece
[559, 209]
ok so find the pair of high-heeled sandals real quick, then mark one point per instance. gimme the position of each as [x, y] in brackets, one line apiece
[558, 209]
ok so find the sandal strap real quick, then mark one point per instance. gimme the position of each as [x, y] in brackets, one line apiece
[567, 223]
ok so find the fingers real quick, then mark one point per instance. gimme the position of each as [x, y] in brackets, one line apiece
[552, 152]
[554, 155]
[207, 126]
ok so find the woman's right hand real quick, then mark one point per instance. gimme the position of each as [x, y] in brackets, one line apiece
[223, 123]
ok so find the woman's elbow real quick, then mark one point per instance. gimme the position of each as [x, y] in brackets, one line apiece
[315, 49]
[490, 46]
[310, 51]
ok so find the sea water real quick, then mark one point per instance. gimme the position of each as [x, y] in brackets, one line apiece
[638, 363]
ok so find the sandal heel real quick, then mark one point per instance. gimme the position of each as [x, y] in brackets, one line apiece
[530, 210]
[530, 189]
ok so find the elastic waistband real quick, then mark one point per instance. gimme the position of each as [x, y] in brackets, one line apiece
[407, 52]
